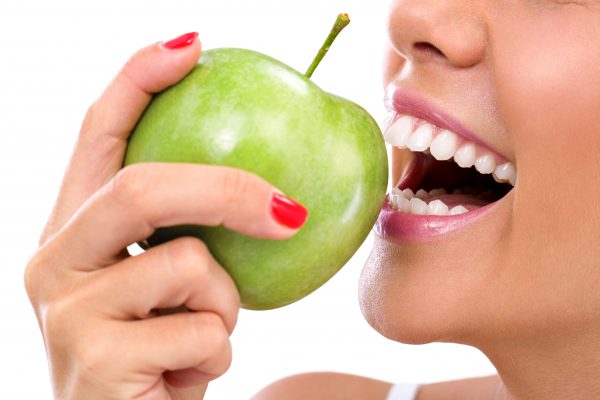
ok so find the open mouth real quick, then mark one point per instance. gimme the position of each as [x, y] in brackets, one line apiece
[443, 173]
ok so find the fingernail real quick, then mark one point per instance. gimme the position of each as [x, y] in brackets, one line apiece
[181, 41]
[288, 212]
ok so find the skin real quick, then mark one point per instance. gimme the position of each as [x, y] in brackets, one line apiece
[521, 284]
[87, 291]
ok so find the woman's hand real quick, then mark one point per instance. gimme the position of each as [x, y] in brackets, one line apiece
[102, 312]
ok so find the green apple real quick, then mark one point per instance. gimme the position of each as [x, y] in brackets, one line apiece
[243, 109]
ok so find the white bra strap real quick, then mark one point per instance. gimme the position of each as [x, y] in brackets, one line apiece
[403, 391]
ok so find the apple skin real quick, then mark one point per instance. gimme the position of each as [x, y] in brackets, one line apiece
[243, 109]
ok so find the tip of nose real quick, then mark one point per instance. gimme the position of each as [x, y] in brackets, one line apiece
[431, 30]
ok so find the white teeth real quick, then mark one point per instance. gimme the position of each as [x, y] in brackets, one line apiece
[458, 210]
[418, 206]
[437, 207]
[485, 164]
[386, 124]
[399, 133]
[409, 194]
[437, 192]
[394, 201]
[444, 145]
[421, 136]
[506, 173]
[407, 202]
[465, 156]
[399, 202]
[422, 194]
[420, 140]
[404, 205]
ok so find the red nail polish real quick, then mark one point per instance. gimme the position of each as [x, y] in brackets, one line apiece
[287, 212]
[181, 41]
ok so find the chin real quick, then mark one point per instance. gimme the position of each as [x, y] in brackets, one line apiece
[410, 303]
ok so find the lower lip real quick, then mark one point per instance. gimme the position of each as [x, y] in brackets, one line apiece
[399, 227]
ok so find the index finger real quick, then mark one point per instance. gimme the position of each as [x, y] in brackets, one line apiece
[144, 197]
[100, 148]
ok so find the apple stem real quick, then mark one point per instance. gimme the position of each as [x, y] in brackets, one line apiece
[340, 23]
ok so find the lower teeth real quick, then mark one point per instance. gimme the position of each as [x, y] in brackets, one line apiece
[415, 203]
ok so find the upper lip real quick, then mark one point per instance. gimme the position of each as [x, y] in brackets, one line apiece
[405, 102]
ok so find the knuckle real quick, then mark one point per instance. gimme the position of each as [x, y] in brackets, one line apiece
[130, 67]
[221, 361]
[216, 347]
[42, 278]
[130, 184]
[220, 346]
[189, 256]
[90, 118]
[129, 75]
[215, 333]
[32, 279]
[225, 360]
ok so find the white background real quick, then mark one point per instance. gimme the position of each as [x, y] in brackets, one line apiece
[55, 59]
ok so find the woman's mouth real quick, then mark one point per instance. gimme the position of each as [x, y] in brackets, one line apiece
[444, 178]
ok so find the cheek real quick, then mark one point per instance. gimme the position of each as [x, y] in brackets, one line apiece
[548, 85]
[549, 92]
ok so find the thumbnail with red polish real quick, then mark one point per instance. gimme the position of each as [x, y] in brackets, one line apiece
[181, 41]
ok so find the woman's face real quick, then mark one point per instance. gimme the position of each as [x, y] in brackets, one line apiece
[523, 77]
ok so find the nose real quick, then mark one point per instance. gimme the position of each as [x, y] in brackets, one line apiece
[447, 31]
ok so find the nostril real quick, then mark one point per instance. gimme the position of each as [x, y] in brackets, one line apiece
[428, 48]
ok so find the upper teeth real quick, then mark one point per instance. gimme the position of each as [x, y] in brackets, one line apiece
[421, 136]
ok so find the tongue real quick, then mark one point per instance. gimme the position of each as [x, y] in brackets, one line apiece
[415, 170]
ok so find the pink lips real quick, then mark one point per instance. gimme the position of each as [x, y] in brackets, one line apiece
[398, 227]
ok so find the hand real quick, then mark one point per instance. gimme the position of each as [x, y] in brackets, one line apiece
[157, 325]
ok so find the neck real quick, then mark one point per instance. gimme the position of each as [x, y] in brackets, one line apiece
[542, 367]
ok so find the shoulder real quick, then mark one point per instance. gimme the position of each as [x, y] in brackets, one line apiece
[336, 386]
[325, 385]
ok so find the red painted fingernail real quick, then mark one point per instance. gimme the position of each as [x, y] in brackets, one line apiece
[181, 41]
[287, 212]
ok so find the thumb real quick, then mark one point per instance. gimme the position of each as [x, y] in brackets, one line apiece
[101, 145]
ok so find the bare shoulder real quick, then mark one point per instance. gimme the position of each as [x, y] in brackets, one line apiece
[336, 386]
[325, 385]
